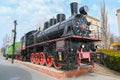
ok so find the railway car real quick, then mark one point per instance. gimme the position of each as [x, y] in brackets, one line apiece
[9, 50]
[64, 43]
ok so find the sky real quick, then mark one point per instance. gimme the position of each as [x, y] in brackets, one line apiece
[30, 14]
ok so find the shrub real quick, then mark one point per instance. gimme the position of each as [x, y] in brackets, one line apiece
[112, 59]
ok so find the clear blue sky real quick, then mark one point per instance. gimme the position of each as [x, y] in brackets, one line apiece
[31, 13]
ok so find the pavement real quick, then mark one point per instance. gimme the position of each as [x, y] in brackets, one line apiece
[92, 76]
[10, 71]
[16, 71]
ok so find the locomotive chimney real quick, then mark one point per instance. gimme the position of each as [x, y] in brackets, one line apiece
[60, 17]
[52, 21]
[46, 25]
[74, 8]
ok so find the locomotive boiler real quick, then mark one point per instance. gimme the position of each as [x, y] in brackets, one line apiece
[64, 43]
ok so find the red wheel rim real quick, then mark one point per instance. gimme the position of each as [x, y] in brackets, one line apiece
[37, 58]
[32, 58]
[57, 66]
[16, 57]
[21, 58]
[42, 58]
[49, 61]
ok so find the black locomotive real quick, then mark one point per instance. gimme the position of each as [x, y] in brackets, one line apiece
[62, 43]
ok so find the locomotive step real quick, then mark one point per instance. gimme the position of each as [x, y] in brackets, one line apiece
[59, 74]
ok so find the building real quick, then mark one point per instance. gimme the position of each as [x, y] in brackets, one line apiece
[118, 17]
[95, 30]
[94, 27]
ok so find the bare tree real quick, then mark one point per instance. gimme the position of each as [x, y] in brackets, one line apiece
[116, 39]
[6, 41]
[112, 38]
[104, 25]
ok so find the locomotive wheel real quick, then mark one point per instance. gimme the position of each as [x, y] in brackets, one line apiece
[16, 57]
[24, 58]
[56, 65]
[49, 61]
[42, 58]
[21, 58]
[37, 58]
[32, 58]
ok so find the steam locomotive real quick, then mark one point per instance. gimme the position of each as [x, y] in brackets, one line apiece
[62, 42]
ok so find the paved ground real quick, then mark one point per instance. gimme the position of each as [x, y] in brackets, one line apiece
[15, 71]
[10, 71]
[100, 69]
[92, 76]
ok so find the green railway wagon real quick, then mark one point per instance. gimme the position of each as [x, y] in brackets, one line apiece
[9, 50]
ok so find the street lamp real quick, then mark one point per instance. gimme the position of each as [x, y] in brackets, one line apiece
[14, 38]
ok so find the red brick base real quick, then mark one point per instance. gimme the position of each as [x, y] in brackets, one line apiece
[54, 73]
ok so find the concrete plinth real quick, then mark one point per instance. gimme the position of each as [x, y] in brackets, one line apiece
[51, 71]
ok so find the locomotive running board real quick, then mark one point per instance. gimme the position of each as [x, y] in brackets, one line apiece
[86, 38]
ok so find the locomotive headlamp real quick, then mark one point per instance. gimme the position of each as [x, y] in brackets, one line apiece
[83, 46]
[83, 10]
[96, 46]
[60, 55]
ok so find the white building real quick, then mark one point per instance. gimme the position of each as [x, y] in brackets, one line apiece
[94, 27]
[118, 17]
